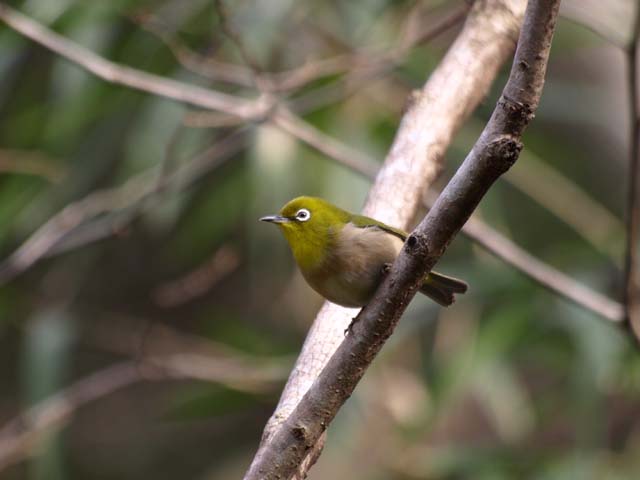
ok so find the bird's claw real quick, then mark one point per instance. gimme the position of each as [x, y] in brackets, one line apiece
[349, 329]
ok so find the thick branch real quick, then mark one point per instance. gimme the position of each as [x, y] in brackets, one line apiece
[496, 150]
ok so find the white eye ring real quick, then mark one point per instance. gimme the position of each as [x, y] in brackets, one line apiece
[303, 215]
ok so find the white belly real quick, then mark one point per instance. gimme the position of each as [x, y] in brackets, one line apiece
[351, 275]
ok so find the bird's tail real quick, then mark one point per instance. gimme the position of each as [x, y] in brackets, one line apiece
[441, 289]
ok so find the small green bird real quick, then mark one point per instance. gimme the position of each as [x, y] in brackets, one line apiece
[344, 256]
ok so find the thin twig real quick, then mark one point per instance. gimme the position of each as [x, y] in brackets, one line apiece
[545, 275]
[20, 436]
[496, 150]
[130, 77]
[29, 163]
[198, 281]
[259, 110]
[568, 201]
[632, 262]
[298, 77]
[307, 133]
[363, 69]
[54, 237]
[374, 67]
[242, 76]
[233, 35]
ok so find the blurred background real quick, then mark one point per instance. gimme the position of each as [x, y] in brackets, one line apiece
[169, 317]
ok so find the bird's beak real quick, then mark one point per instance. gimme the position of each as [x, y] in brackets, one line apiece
[274, 219]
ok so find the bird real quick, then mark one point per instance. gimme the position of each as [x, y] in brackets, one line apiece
[344, 256]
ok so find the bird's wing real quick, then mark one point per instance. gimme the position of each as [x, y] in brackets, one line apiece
[361, 221]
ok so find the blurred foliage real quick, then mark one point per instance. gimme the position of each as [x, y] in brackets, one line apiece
[512, 382]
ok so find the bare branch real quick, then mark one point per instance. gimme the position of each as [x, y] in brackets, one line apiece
[199, 281]
[570, 203]
[29, 163]
[374, 66]
[20, 437]
[52, 236]
[303, 131]
[130, 77]
[547, 276]
[567, 200]
[298, 77]
[496, 150]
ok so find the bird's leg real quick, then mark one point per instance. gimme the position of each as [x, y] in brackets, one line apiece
[349, 330]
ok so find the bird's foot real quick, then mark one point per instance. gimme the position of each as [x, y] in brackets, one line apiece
[349, 329]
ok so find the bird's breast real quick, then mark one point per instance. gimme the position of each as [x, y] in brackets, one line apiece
[353, 269]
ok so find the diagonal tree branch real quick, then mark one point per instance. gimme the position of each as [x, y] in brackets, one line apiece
[27, 162]
[434, 113]
[53, 235]
[130, 77]
[550, 278]
[20, 436]
[494, 153]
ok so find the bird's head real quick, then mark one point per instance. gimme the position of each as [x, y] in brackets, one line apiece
[308, 224]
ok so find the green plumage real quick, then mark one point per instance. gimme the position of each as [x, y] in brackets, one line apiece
[343, 255]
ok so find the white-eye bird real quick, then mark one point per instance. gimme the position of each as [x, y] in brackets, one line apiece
[343, 256]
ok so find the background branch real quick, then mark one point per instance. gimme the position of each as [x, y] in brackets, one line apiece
[358, 66]
[130, 77]
[545, 275]
[170, 356]
[29, 163]
[71, 227]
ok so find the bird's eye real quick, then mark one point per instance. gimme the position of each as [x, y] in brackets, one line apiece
[303, 215]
